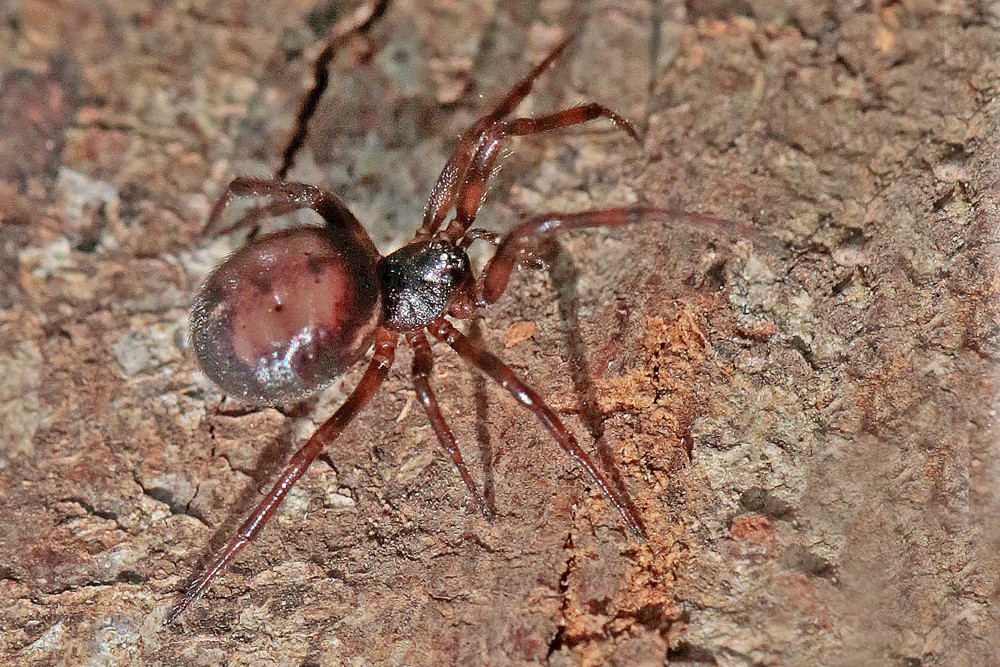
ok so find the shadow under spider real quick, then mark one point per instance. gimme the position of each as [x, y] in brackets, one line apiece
[482, 423]
[564, 278]
[270, 461]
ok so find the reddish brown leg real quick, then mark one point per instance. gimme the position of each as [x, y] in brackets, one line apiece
[491, 365]
[443, 195]
[477, 175]
[423, 364]
[285, 198]
[252, 218]
[378, 368]
[521, 241]
[358, 24]
[479, 234]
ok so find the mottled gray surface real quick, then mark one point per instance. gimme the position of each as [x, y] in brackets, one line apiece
[805, 423]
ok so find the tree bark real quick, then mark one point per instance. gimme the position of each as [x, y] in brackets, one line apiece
[803, 417]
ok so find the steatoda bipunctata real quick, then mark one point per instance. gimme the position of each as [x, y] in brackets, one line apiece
[292, 310]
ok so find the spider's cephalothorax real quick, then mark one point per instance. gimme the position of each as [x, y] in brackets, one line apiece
[291, 311]
[421, 281]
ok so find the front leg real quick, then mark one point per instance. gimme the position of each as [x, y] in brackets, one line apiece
[442, 197]
[521, 242]
[483, 164]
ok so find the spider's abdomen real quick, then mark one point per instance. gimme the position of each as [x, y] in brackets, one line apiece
[286, 314]
[419, 282]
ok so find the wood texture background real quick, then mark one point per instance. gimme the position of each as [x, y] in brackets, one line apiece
[806, 425]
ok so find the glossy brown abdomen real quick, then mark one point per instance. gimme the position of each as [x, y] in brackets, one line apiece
[286, 314]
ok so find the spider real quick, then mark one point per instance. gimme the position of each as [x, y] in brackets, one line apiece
[290, 311]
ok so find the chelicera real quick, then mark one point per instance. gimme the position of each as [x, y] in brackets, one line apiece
[292, 310]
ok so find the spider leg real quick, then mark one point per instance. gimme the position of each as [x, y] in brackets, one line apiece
[255, 215]
[479, 234]
[285, 198]
[490, 365]
[481, 168]
[378, 368]
[357, 24]
[521, 242]
[442, 197]
[423, 364]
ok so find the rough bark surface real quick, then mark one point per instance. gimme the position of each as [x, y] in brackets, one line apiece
[805, 423]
